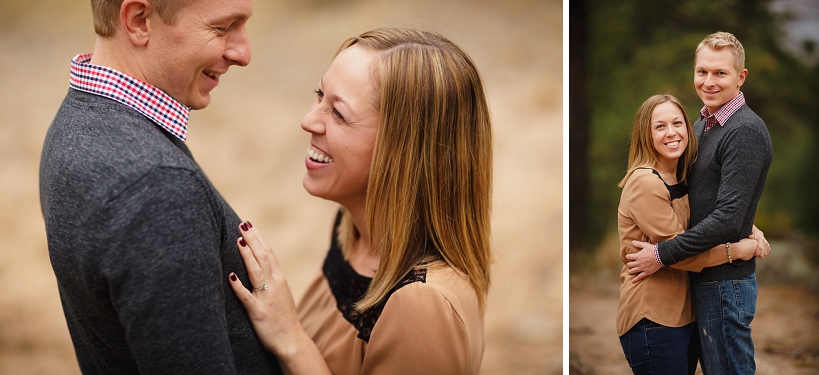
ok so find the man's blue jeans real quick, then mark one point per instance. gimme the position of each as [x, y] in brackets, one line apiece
[651, 348]
[725, 310]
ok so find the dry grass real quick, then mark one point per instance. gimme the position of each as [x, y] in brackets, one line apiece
[250, 144]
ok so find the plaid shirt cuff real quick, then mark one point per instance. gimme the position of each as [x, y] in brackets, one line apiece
[657, 256]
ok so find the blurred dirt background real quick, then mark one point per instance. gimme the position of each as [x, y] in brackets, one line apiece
[784, 328]
[249, 143]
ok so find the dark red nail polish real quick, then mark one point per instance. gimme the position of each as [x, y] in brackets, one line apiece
[242, 242]
[244, 227]
[249, 225]
[233, 277]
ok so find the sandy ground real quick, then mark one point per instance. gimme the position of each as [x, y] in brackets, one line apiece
[784, 328]
[249, 143]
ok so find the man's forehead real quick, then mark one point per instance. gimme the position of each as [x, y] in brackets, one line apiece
[714, 57]
[221, 10]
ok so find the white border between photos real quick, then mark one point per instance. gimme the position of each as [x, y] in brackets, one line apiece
[565, 187]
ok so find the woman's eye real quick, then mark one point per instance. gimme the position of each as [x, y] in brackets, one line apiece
[338, 115]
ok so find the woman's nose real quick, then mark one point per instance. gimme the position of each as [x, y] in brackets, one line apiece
[311, 122]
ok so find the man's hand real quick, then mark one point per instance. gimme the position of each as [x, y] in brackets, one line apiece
[762, 247]
[642, 263]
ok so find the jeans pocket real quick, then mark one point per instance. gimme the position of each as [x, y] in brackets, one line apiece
[745, 291]
[655, 328]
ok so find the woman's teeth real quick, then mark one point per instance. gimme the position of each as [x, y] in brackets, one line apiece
[673, 144]
[318, 156]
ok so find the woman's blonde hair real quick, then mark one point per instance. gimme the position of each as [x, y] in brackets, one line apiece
[106, 13]
[642, 153]
[429, 189]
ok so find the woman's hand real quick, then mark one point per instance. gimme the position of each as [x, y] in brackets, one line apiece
[744, 249]
[762, 247]
[270, 306]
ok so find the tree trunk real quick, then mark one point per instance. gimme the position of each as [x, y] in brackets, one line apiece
[578, 126]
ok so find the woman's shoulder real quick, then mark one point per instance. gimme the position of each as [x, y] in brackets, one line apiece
[644, 178]
[645, 172]
[648, 181]
[444, 291]
[450, 283]
[438, 319]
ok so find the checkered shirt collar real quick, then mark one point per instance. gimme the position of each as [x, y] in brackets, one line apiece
[723, 114]
[148, 100]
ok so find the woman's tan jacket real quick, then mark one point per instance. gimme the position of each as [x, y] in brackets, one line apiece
[652, 211]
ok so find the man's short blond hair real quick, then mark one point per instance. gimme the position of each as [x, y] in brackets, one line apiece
[722, 39]
[106, 13]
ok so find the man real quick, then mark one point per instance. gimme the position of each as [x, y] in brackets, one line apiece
[140, 241]
[725, 185]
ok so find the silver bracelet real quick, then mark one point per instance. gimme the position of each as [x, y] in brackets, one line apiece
[728, 249]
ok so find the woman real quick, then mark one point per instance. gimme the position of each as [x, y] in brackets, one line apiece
[401, 139]
[655, 316]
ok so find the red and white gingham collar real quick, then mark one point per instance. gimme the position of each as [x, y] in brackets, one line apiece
[148, 100]
[723, 114]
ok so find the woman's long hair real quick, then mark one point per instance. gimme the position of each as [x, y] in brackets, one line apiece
[429, 190]
[642, 153]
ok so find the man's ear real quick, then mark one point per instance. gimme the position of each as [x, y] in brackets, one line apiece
[742, 75]
[133, 17]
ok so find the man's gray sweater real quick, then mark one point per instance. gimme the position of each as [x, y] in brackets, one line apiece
[142, 245]
[724, 188]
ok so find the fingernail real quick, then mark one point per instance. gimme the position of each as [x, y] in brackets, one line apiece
[249, 225]
[244, 227]
[242, 242]
[233, 277]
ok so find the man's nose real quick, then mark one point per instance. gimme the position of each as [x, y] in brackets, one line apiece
[238, 47]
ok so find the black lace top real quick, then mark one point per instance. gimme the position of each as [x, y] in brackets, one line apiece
[676, 191]
[348, 287]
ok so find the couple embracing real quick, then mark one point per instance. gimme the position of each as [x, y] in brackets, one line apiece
[686, 224]
[157, 274]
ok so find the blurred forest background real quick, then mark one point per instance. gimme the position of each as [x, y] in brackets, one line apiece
[250, 144]
[622, 52]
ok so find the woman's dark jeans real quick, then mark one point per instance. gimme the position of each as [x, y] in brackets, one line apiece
[652, 348]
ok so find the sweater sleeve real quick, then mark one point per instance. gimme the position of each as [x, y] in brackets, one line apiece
[419, 332]
[650, 207]
[742, 165]
[162, 266]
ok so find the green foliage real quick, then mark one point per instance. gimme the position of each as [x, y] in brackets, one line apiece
[640, 48]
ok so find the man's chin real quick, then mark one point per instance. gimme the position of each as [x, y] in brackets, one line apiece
[198, 103]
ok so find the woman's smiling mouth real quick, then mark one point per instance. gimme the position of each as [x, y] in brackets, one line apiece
[318, 156]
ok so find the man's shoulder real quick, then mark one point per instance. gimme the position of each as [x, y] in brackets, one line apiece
[77, 104]
[96, 127]
[751, 129]
[79, 107]
[746, 117]
[105, 146]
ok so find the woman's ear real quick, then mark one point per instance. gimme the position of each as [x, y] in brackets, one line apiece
[134, 19]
